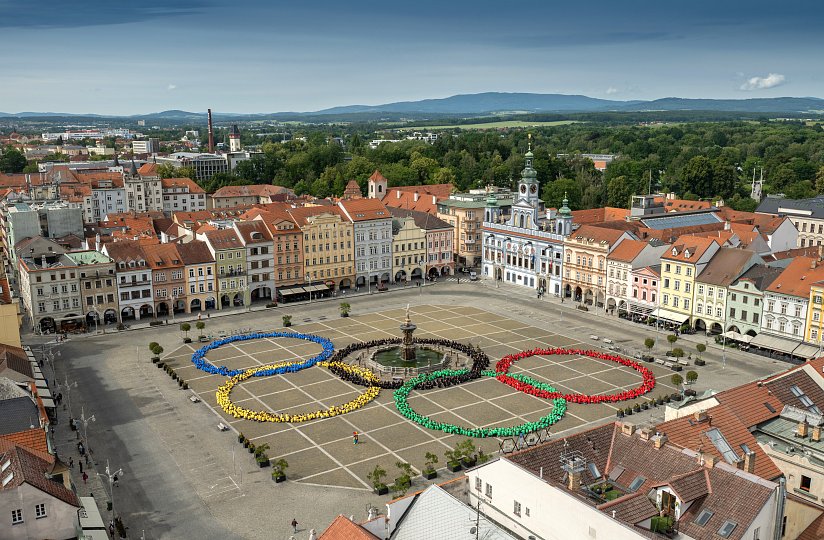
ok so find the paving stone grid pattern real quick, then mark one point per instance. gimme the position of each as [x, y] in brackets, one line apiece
[322, 452]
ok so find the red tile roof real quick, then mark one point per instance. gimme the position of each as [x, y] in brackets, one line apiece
[749, 403]
[342, 528]
[162, 256]
[301, 215]
[224, 239]
[694, 245]
[599, 215]
[687, 432]
[15, 359]
[364, 209]
[627, 250]
[33, 439]
[598, 234]
[28, 467]
[148, 169]
[378, 177]
[188, 183]
[253, 232]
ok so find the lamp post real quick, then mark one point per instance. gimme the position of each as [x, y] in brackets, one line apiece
[308, 283]
[109, 476]
[68, 387]
[85, 421]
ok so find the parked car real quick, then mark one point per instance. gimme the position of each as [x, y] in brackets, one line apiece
[473, 276]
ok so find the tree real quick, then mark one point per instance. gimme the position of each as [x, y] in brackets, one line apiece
[697, 177]
[200, 325]
[376, 477]
[678, 352]
[554, 192]
[672, 338]
[692, 376]
[185, 327]
[649, 343]
[700, 347]
[819, 180]
[677, 380]
[12, 161]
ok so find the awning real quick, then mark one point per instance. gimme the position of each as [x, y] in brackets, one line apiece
[44, 392]
[316, 288]
[806, 351]
[735, 336]
[89, 515]
[48, 403]
[774, 343]
[291, 290]
[671, 316]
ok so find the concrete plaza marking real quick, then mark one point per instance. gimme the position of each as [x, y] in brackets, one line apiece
[321, 452]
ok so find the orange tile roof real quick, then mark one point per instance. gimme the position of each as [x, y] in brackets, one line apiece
[598, 234]
[682, 205]
[364, 209]
[599, 215]
[696, 246]
[301, 215]
[182, 183]
[796, 279]
[627, 250]
[162, 256]
[148, 169]
[406, 200]
[247, 230]
[342, 528]
[377, 176]
[749, 403]
[224, 239]
[687, 432]
[31, 467]
[33, 439]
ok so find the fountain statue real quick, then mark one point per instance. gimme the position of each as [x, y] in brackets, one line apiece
[407, 349]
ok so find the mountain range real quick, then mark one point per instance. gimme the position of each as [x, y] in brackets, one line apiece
[501, 102]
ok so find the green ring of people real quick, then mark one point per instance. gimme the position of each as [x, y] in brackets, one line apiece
[401, 395]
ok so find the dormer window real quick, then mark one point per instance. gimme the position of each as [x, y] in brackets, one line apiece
[674, 251]
[687, 254]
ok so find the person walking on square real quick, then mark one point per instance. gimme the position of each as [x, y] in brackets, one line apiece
[355, 437]
[85, 477]
[294, 525]
[71, 463]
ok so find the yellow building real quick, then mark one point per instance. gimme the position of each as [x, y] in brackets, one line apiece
[815, 315]
[9, 325]
[680, 265]
[328, 248]
[200, 272]
[408, 247]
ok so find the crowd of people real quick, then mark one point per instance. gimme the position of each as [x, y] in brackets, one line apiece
[480, 361]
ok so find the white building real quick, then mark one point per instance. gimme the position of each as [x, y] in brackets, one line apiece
[143, 189]
[134, 279]
[259, 259]
[526, 247]
[373, 240]
[182, 195]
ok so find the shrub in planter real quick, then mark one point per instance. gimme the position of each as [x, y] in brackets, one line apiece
[404, 481]
[180, 383]
[692, 376]
[241, 437]
[185, 385]
[279, 470]
[466, 450]
[251, 447]
[700, 362]
[677, 380]
[428, 471]
[273, 305]
[200, 325]
[627, 411]
[260, 449]
[160, 365]
[345, 308]
[676, 397]
[636, 408]
[185, 327]
[677, 367]
[453, 460]
[262, 460]
[121, 326]
[287, 320]
[690, 392]
[659, 401]
[678, 352]
[156, 349]
[481, 457]
[619, 413]
[155, 359]
[645, 405]
[376, 477]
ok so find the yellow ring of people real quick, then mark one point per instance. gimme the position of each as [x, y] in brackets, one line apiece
[225, 402]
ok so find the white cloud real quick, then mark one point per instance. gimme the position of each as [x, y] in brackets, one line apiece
[759, 83]
[171, 87]
[612, 90]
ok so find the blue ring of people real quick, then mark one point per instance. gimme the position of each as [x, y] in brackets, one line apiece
[202, 363]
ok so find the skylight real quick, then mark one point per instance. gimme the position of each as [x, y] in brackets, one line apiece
[5, 465]
[721, 444]
[8, 479]
[804, 399]
[704, 517]
[726, 529]
[638, 482]
[593, 470]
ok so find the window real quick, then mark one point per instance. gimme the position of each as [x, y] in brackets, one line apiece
[704, 517]
[699, 309]
[517, 509]
[732, 313]
[700, 289]
[489, 490]
[16, 516]
[726, 529]
[718, 312]
[40, 510]
[478, 483]
[678, 269]
[686, 303]
[806, 482]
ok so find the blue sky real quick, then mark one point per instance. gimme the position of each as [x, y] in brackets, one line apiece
[117, 57]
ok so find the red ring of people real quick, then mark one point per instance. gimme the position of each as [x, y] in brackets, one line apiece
[503, 365]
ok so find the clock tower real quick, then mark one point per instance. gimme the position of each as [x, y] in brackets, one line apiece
[528, 189]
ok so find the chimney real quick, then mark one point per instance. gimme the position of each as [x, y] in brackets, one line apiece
[627, 428]
[434, 199]
[659, 441]
[416, 196]
[398, 194]
[816, 434]
[749, 462]
[43, 261]
[709, 461]
[700, 416]
[574, 481]
[645, 433]
[802, 429]
[211, 134]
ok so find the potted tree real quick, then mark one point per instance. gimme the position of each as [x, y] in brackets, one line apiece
[677, 380]
[152, 346]
[200, 325]
[482, 457]
[429, 471]
[241, 437]
[467, 451]
[692, 376]
[649, 343]
[251, 447]
[287, 320]
[157, 350]
[278, 470]
[260, 455]
[700, 348]
[453, 460]
[345, 308]
[376, 477]
[619, 412]
[671, 339]
[404, 481]
[185, 327]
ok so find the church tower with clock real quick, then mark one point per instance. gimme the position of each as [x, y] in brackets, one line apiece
[528, 208]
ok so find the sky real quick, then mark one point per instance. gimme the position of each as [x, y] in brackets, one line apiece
[118, 57]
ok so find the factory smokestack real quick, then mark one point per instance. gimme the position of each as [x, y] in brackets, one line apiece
[211, 134]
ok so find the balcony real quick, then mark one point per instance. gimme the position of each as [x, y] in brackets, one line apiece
[233, 273]
[498, 228]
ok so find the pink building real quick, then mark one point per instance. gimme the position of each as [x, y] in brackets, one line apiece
[643, 299]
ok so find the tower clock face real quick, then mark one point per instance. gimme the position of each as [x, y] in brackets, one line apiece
[523, 189]
[533, 189]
